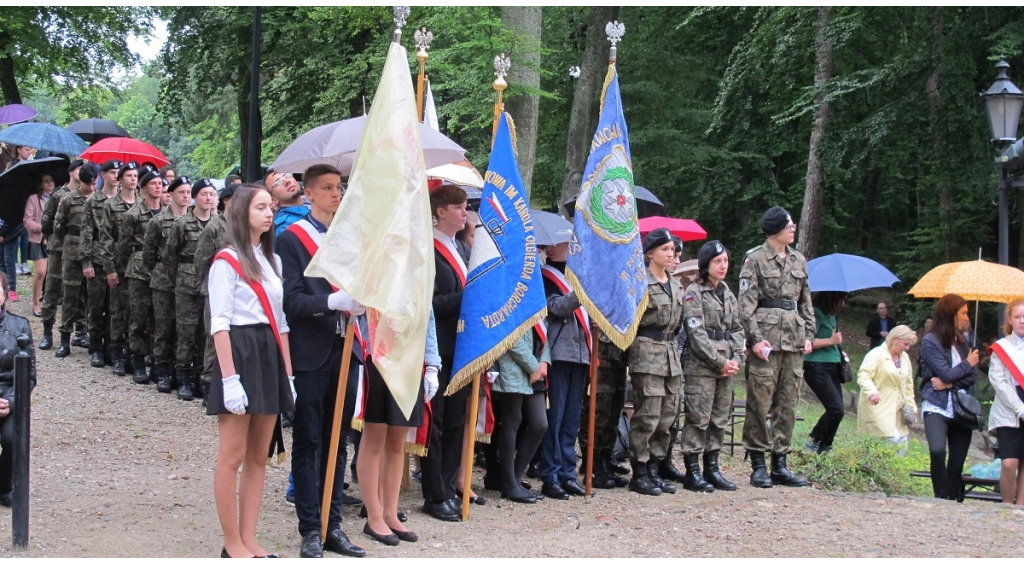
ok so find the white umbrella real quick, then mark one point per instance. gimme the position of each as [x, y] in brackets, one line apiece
[336, 144]
[457, 173]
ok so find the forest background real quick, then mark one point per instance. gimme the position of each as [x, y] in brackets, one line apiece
[865, 122]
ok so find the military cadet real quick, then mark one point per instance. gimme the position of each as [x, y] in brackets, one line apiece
[69, 225]
[667, 469]
[98, 302]
[211, 241]
[714, 353]
[154, 260]
[654, 368]
[778, 318]
[188, 297]
[129, 260]
[54, 245]
[109, 225]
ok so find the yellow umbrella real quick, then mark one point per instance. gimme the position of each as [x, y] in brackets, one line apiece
[974, 280]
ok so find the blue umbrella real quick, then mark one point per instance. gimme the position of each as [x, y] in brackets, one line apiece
[45, 137]
[846, 273]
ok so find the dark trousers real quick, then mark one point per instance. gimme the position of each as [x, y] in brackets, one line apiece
[518, 433]
[9, 262]
[566, 382]
[311, 436]
[823, 379]
[947, 475]
[7, 455]
[447, 424]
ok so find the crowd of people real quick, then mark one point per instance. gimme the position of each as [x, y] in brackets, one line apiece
[162, 278]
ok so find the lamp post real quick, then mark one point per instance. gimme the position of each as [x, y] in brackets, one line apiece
[1003, 102]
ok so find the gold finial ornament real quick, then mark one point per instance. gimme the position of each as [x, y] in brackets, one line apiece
[501, 66]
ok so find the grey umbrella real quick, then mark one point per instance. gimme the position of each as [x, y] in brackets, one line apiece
[550, 228]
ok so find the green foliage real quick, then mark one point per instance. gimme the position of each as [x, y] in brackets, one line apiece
[85, 102]
[865, 464]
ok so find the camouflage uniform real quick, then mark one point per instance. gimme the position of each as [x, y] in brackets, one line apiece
[775, 305]
[188, 291]
[611, 397]
[210, 241]
[54, 250]
[714, 337]
[154, 260]
[129, 248]
[98, 289]
[655, 372]
[69, 224]
[109, 225]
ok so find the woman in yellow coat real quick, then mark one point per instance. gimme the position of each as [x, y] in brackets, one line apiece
[886, 380]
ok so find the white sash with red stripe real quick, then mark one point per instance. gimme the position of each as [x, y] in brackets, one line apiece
[558, 279]
[1012, 358]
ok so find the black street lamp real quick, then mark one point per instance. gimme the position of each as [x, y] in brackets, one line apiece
[1003, 101]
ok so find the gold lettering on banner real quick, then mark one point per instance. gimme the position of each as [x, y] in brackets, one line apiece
[496, 318]
[605, 135]
[496, 179]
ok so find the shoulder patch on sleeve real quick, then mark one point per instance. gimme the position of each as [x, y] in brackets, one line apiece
[688, 298]
[744, 284]
[693, 322]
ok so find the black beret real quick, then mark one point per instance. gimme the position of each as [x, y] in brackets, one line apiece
[89, 173]
[75, 164]
[148, 175]
[200, 184]
[111, 165]
[179, 182]
[678, 243]
[657, 238]
[774, 220]
[130, 165]
[706, 254]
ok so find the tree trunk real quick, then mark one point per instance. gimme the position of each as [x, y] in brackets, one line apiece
[586, 99]
[938, 140]
[814, 193]
[524, 75]
[8, 80]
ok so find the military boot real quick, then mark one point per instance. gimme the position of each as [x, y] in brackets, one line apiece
[713, 474]
[139, 375]
[65, 345]
[119, 369]
[616, 466]
[97, 357]
[185, 385]
[163, 378]
[81, 337]
[668, 471]
[47, 342]
[129, 362]
[199, 388]
[605, 464]
[759, 477]
[108, 355]
[781, 475]
[603, 477]
[652, 474]
[640, 483]
[694, 480]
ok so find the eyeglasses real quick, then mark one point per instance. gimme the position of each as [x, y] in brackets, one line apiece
[278, 182]
[791, 227]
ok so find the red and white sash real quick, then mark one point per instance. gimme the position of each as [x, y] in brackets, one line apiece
[453, 259]
[257, 289]
[558, 279]
[1012, 358]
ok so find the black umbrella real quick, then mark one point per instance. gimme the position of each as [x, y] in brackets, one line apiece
[647, 204]
[22, 180]
[93, 129]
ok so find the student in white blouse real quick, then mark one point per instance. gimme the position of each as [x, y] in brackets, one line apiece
[1006, 374]
[252, 376]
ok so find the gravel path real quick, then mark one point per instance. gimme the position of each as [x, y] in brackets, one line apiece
[119, 470]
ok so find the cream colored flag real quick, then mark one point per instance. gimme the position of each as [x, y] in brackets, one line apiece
[379, 248]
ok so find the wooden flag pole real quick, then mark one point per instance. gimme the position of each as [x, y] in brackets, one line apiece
[595, 331]
[339, 408]
[423, 39]
[467, 457]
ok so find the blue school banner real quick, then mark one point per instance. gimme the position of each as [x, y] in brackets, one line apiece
[504, 295]
[605, 265]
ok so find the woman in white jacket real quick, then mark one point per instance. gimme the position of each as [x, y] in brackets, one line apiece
[1006, 374]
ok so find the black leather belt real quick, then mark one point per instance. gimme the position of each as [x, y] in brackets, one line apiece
[716, 335]
[73, 230]
[779, 304]
[187, 260]
[136, 248]
[655, 334]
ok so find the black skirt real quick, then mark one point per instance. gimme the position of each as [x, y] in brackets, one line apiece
[381, 406]
[261, 371]
[37, 251]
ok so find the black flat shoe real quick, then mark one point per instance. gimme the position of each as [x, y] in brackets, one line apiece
[224, 554]
[475, 500]
[401, 514]
[407, 536]
[337, 541]
[528, 498]
[573, 487]
[390, 540]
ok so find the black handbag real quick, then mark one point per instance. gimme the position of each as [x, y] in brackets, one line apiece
[967, 410]
[845, 370]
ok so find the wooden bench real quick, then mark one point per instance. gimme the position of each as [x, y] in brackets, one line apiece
[984, 489]
[739, 412]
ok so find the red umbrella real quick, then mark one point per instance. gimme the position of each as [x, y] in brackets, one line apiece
[685, 229]
[125, 149]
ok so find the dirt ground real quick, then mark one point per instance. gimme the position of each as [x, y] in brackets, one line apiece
[119, 470]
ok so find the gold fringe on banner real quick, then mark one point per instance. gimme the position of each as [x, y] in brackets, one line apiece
[620, 340]
[512, 135]
[357, 424]
[484, 361]
[484, 438]
[607, 82]
[413, 448]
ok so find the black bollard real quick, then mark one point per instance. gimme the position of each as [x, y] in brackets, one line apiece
[22, 414]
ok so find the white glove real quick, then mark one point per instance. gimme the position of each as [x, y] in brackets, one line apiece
[234, 395]
[491, 377]
[291, 382]
[341, 301]
[429, 383]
